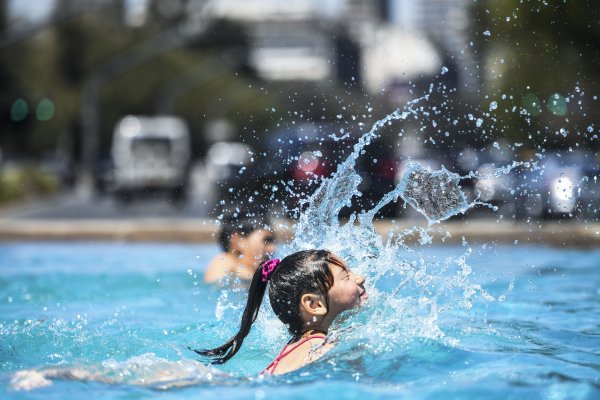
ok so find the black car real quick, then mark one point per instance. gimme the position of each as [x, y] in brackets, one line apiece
[293, 163]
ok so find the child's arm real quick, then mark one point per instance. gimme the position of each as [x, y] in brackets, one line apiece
[33, 379]
[165, 376]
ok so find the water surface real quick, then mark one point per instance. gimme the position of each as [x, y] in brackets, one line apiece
[129, 310]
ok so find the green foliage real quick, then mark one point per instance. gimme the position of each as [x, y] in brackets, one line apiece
[542, 57]
[46, 75]
[25, 183]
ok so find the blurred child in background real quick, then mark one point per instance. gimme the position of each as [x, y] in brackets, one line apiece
[247, 241]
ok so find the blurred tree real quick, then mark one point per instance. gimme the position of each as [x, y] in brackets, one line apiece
[44, 71]
[3, 15]
[164, 13]
[51, 68]
[43, 76]
[542, 58]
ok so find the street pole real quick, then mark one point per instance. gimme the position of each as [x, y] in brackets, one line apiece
[120, 64]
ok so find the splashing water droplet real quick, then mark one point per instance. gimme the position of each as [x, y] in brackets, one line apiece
[435, 194]
[424, 286]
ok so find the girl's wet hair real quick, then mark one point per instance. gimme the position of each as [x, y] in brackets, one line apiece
[299, 273]
[243, 223]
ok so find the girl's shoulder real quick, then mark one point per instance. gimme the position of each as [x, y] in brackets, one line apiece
[300, 353]
[219, 266]
[319, 347]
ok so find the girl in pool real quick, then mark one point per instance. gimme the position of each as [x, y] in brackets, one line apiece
[307, 291]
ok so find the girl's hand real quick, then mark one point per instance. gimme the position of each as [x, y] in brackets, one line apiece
[29, 380]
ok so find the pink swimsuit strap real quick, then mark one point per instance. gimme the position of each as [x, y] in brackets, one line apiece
[285, 352]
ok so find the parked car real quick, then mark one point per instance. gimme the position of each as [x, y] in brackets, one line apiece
[562, 187]
[296, 159]
[229, 165]
[494, 187]
[589, 187]
[314, 151]
[151, 154]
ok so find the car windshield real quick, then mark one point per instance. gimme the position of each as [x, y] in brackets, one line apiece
[154, 147]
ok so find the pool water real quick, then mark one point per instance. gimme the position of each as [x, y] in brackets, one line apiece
[129, 311]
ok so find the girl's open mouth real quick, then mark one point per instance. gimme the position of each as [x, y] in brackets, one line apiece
[364, 296]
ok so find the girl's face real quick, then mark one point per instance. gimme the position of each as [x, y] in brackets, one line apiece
[347, 290]
[256, 247]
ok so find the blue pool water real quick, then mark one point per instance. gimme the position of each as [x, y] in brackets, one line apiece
[530, 329]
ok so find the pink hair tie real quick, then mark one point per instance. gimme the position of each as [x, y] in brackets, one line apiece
[268, 268]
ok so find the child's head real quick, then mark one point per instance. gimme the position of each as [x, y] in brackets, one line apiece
[307, 290]
[309, 286]
[248, 237]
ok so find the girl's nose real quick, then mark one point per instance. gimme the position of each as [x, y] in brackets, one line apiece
[360, 279]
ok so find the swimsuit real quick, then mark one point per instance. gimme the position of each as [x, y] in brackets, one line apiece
[271, 367]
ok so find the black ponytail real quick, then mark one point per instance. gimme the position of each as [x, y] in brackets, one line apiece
[222, 354]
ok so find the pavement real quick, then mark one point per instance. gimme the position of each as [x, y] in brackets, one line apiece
[192, 230]
[73, 216]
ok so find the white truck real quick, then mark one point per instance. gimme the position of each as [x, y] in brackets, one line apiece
[151, 154]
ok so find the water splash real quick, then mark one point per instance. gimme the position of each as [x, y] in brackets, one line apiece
[435, 194]
[336, 192]
[410, 291]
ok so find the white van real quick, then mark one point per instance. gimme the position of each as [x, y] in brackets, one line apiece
[151, 154]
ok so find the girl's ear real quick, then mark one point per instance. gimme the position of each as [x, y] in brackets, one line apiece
[313, 304]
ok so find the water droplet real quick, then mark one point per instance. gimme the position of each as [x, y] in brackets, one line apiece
[563, 132]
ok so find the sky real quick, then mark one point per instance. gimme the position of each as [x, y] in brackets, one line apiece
[31, 11]
[38, 10]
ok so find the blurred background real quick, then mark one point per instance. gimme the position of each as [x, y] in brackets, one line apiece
[191, 108]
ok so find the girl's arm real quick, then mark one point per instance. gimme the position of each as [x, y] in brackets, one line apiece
[163, 375]
[33, 379]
